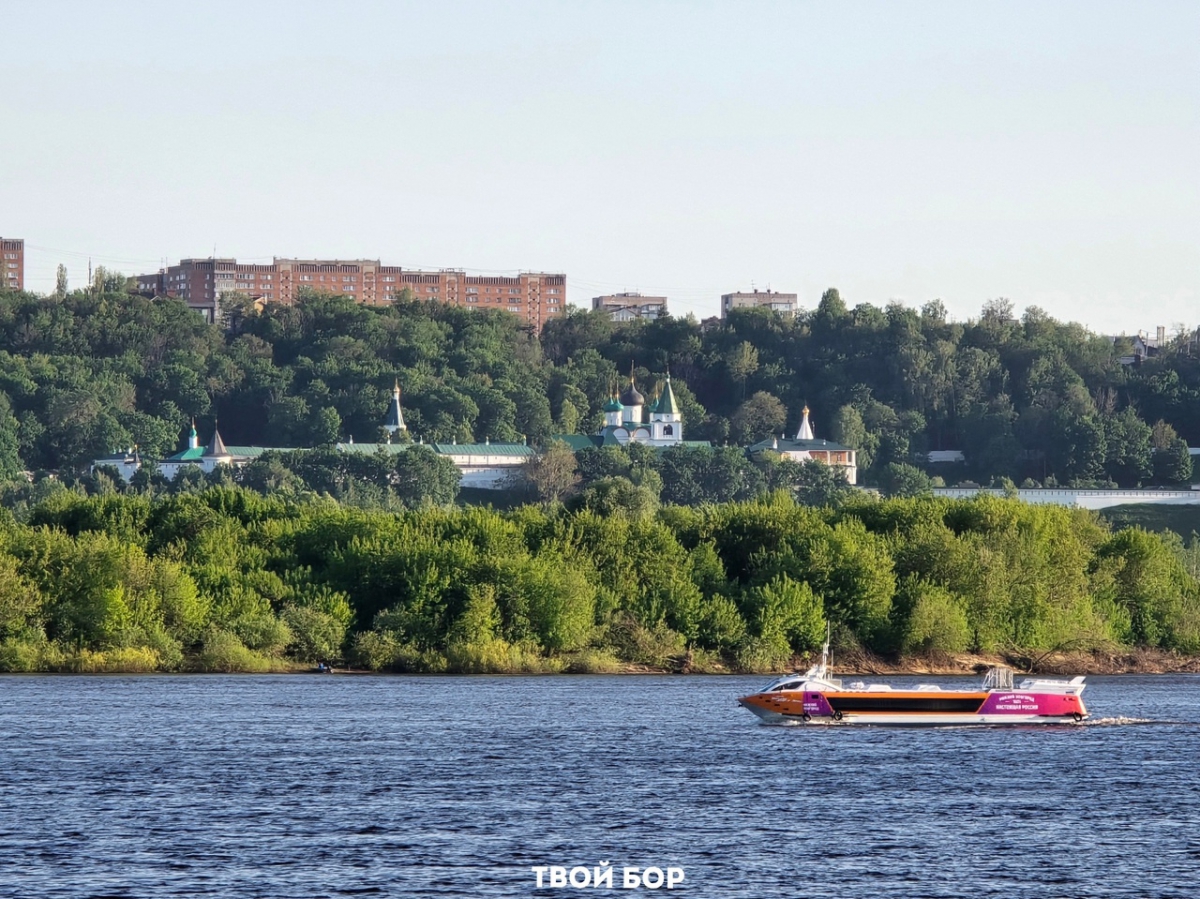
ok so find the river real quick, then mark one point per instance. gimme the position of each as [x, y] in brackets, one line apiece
[310, 786]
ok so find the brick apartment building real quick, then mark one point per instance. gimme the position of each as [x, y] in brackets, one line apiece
[535, 296]
[12, 263]
[624, 307]
[783, 303]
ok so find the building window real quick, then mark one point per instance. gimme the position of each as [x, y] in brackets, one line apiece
[472, 290]
[348, 277]
[514, 290]
[552, 290]
[389, 277]
[431, 290]
[514, 308]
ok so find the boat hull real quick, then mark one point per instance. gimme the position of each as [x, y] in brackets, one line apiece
[917, 708]
[918, 719]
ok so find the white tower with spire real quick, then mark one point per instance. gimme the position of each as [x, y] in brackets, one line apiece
[806, 431]
[193, 437]
[216, 453]
[666, 421]
[394, 423]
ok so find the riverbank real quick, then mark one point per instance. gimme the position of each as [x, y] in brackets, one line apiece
[846, 664]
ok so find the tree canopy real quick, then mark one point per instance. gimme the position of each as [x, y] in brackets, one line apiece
[1026, 398]
[227, 579]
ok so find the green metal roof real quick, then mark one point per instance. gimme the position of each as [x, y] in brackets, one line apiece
[613, 405]
[195, 454]
[370, 449]
[482, 449]
[254, 451]
[578, 441]
[789, 445]
[666, 403]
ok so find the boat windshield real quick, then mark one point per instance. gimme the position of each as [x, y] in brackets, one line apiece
[790, 682]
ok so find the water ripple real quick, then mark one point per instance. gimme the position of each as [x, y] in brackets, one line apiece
[424, 787]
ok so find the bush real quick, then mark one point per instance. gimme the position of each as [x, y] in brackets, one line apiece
[593, 661]
[499, 657]
[315, 636]
[29, 652]
[122, 660]
[656, 646]
[766, 654]
[937, 623]
[721, 624]
[223, 652]
[382, 651]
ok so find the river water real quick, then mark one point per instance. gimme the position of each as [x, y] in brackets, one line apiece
[309, 786]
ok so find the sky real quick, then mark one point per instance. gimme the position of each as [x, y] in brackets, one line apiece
[1047, 153]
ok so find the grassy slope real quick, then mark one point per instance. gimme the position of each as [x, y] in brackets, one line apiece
[1183, 520]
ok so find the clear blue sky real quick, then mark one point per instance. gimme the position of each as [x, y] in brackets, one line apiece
[1044, 152]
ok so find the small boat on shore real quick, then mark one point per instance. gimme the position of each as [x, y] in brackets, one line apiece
[818, 698]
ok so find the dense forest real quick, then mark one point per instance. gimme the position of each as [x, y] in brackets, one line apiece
[697, 559]
[1027, 399]
[229, 580]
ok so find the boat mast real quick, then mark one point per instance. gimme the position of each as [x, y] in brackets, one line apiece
[826, 662]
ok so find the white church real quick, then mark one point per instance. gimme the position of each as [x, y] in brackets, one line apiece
[805, 446]
[627, 420]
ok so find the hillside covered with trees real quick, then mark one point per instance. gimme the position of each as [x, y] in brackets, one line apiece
[701, 559]
[228, 579]
[1024, 397]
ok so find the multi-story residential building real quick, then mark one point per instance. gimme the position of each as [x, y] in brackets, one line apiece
[12, 263]
[783, 303]
[536, 297]
[624, 307]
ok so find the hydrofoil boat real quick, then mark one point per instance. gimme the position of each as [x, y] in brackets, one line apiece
[818, 698]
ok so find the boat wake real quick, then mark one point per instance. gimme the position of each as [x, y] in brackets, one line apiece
[1122, 721]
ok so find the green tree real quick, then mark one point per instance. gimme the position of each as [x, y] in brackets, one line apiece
[1171, 460]
[613, 495]
[552, 474]
[757, 418]
[812, 483]
[19, 599]
[741, 363]
[790, 609]
[422, 476]
[899, 479]
[936, 621]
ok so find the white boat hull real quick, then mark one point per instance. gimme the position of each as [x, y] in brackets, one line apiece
[916, 720]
